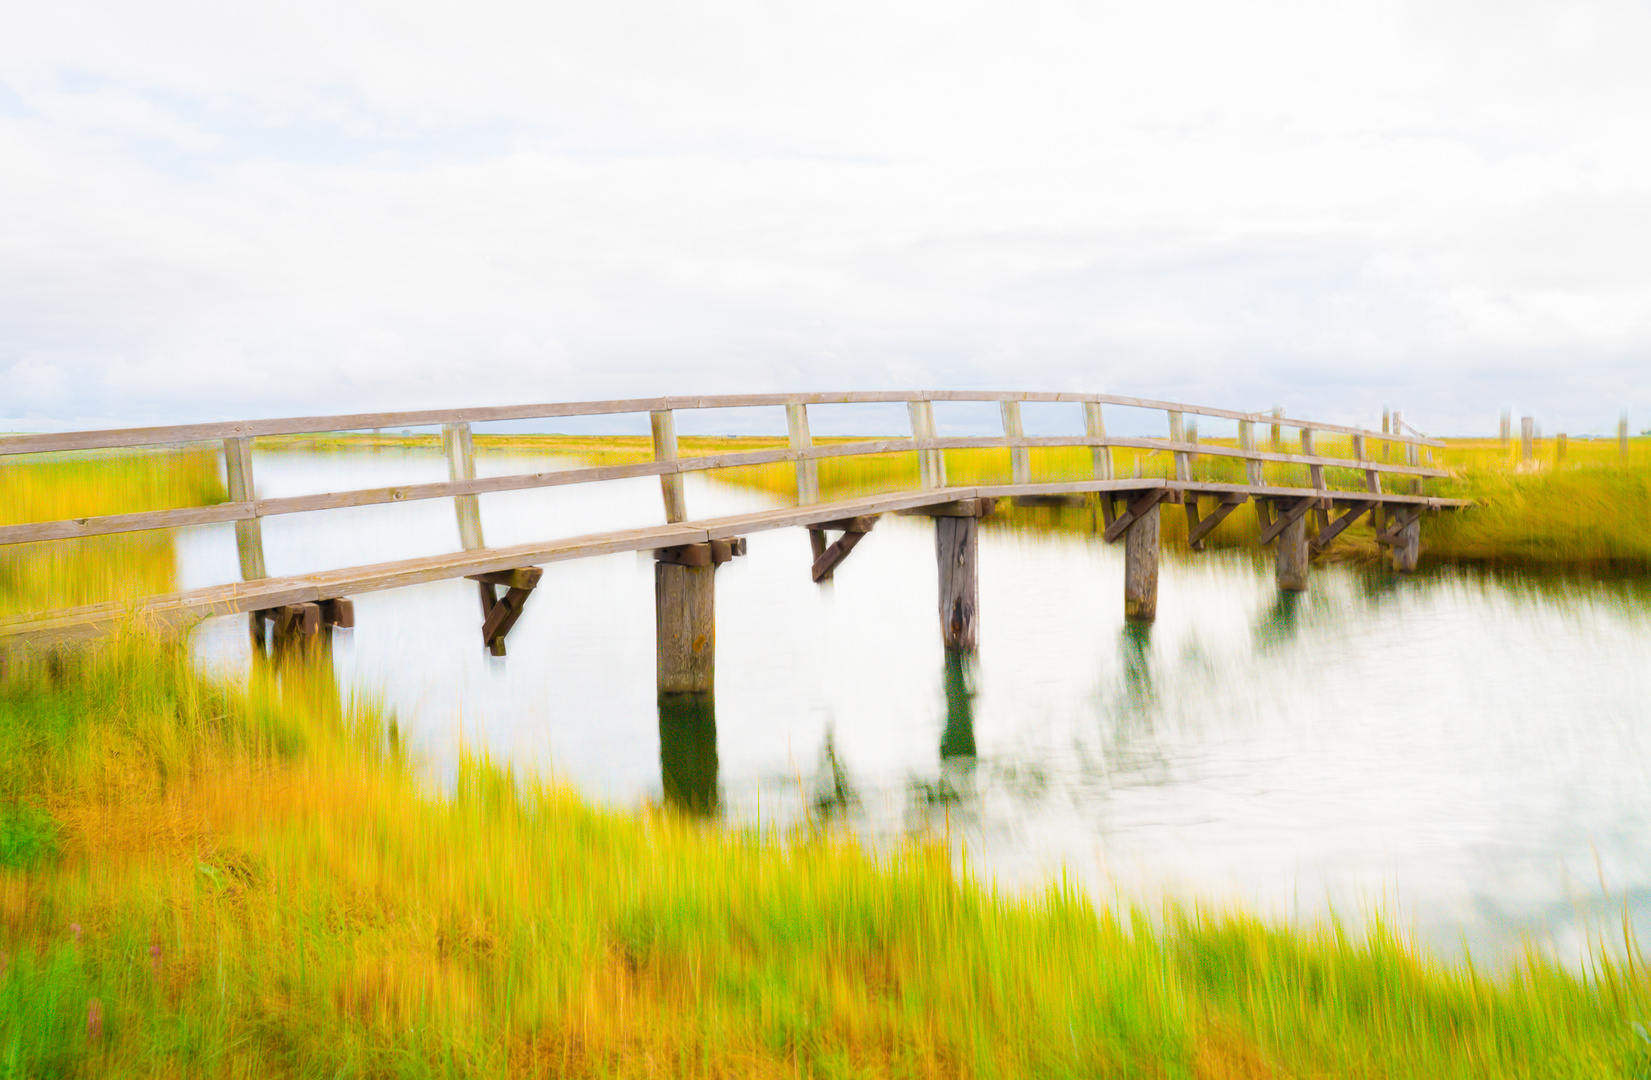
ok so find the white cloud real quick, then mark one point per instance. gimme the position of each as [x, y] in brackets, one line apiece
[211, 211]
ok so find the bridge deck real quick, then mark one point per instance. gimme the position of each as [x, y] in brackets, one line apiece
[180, 609]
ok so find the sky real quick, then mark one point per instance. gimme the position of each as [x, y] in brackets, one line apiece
[216, 211]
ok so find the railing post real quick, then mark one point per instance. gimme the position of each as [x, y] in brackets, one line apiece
[461, 465]
[1253, 469]
[1094, 426]
[1413, 459]
[808, 470]
[1315, 473]
[1178, 434]
[249, 533]
[1278, 435]
[808, 473]
[931, 463]
[1020, 458]
[670, 484]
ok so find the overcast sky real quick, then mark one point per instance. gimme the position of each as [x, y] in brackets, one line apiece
[212, 210]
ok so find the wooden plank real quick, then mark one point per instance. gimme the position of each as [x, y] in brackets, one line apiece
[970, 508]
[862, 524]
[670, 485]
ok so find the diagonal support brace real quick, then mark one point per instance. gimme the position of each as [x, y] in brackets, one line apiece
[1287, 517]
[1396, 526]
[828, 559]
[1328, 534]
[1143, 504]
[1197, 530]
[499, 614]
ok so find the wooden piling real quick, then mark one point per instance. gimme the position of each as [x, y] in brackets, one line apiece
[955, 548]
[1141, 568]
[1293, 557]
[686, 627]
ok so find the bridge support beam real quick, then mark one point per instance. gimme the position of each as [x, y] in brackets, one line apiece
[1293, 555]
[1141, 543]
[685, 614]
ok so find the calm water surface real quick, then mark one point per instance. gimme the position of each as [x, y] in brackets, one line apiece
[1468, 755]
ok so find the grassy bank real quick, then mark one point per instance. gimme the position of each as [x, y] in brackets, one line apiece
[252, 879]
[206, 879]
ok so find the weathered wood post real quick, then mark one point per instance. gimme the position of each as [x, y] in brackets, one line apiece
[1094, 426]
[1278, 435]
[1141, 567]
[807, 469]
[1559, 448]
[1527, 432]
[1253, 473]
[1178, 434]
[461, 465]
[1020, 458]
[1293, 557]
[686, 624]
[956, 539]
[249, 532]
[670, 483]
[1505, 430]
[931, 463]
[1622, 436]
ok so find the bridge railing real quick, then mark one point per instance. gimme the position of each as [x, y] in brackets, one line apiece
[245, 509]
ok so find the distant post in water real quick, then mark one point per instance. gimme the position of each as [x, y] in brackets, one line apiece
[1527, 433]
[1622, 436]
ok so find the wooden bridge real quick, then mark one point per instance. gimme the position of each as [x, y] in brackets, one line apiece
[688, 550]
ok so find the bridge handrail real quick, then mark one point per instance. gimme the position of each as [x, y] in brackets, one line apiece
[174, 434]
[668, 465]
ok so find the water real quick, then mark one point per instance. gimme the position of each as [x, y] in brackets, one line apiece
[1468, 755]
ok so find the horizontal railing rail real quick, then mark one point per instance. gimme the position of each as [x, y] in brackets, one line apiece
[116, 438]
